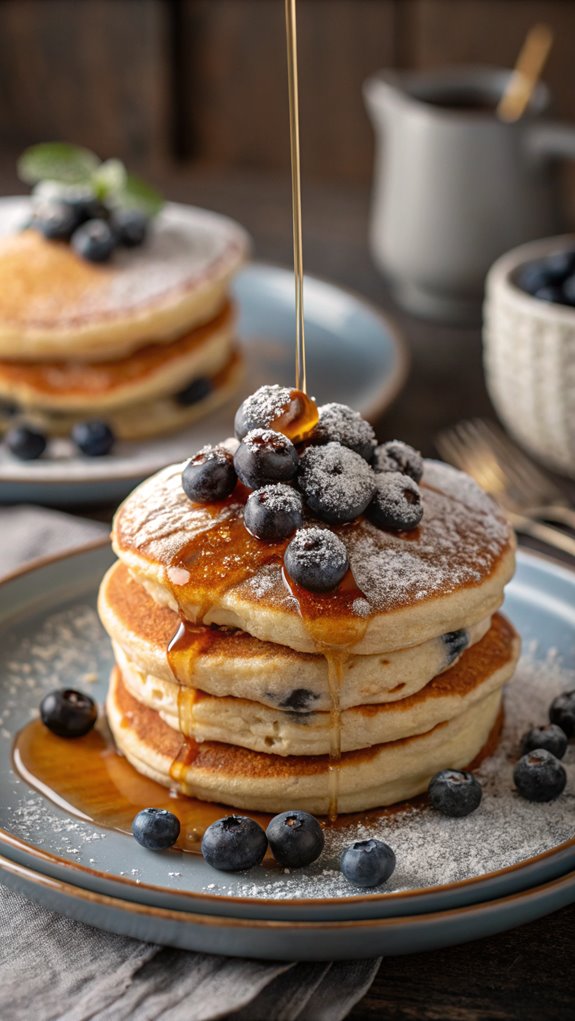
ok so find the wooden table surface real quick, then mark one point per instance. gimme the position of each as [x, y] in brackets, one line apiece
[527, 973]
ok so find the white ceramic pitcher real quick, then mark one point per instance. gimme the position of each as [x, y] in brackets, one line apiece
[454, 186]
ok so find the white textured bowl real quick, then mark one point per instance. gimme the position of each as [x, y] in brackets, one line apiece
[529, 357]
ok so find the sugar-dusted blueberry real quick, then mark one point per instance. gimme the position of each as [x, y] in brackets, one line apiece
[261, 409]
[156, 828]
[94, 241]
[93, 438]
[343, 425]
[539, 776]
[54, 219]
[234, 843]
[130, 227]
[397, 504]
[337, 483]
[209, 476]
[195, 392]
[455, 792]
[368, 862]
[316, 559]
[455, 643]
[26, 442]
[265, 456]
[295, 838]
[562, 712]
[68, 713]
[273, 512]
[550, 737]
[397, 456]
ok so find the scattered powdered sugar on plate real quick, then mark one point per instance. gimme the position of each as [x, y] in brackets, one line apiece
[432, 850]
[63, 647]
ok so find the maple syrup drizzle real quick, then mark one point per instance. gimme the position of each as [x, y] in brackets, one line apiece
[291, 35]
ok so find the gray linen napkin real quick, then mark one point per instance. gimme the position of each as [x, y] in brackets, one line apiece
[55, 969]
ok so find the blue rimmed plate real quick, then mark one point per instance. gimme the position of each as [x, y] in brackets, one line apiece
[291, 940]
[50, 635]
[354, 353]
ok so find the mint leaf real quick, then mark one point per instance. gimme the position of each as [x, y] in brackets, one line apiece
[57, 161]
[109, 178]
[136, 194]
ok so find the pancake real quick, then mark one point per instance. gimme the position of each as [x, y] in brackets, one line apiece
[224, 662]
[156, 370]
[408, 587]
[481, 671]
[150, 418]
[370, 778]
[54, 304]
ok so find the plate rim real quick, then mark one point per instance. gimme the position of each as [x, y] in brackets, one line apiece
[526, 556]
[172, 914]
[390, 389]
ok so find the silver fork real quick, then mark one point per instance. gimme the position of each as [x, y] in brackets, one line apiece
[524, 492]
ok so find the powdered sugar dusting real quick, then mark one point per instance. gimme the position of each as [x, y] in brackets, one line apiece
[265, 405]
[433, 850]
[343, 424]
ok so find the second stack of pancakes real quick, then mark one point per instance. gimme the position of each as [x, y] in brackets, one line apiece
[267, 693]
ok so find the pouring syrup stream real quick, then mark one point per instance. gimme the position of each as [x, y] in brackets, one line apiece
[291, 36]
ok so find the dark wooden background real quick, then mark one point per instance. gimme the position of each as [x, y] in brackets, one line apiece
[161, 83]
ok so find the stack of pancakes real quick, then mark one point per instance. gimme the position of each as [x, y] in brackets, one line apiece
[243, 689]
[144, 342]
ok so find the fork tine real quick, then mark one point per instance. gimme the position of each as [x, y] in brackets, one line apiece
[520, 464]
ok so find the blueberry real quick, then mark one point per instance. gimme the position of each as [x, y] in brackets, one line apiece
[552, 293]
[396, 456]
[295, 838]
[234, 843]
[8, 408]
[56, 220]
[265, 456]
[25, 442]
[455, 643]
[209, 475]
[336, 482]
[344, 425]
[130, 227]
[532, 277]
[368, 862]
[569, 291]
[551, 738]
[539, 776]
[86, 207]
[68, 713]
[455, 792]
[94, 241]
[195, 391]
[261, 409]
[397, 503]
[156, 828]
[559, 266]
[316, 559]
[273, 512]
[93, 438]
[299, 700]
[562, 712]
